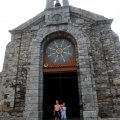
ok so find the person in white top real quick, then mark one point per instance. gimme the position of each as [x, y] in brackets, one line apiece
[63, 112]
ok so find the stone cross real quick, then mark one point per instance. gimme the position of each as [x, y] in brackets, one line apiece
[50, 3]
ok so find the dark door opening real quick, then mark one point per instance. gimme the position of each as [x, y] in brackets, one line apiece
[62, 87]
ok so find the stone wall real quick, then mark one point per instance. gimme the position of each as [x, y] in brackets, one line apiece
[10, 70]
[15, 71]
[106, 69]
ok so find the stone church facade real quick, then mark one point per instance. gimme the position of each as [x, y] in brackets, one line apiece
[65, 43]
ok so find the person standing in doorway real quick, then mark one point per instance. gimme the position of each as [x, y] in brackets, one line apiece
[63, 112]
[57, 109]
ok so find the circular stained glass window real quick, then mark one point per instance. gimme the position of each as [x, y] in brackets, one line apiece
[59, 51]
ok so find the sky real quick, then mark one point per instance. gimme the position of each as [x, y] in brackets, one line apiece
[15, 12]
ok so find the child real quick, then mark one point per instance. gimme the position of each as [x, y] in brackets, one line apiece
[63, 112]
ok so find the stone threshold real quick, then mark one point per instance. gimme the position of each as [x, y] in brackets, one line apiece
[110, 119]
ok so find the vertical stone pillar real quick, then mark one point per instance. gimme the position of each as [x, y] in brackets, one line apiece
[49, 4]
[89, 97]
[65, 3]
[32, 111]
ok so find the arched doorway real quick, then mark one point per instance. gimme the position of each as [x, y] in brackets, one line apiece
[62, 87]
[60, 81]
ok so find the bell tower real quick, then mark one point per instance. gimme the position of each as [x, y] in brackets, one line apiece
[50, 3]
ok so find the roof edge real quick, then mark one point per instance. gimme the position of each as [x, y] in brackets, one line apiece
[97, 18]
[87, 14]
[26, 24]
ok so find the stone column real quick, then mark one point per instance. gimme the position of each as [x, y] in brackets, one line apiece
[32, 111]
[89, 96]
[65, 3]
[49, 4]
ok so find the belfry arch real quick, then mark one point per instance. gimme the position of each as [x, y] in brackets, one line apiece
[50, 3]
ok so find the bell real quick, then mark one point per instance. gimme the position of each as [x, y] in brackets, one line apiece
[57, 3]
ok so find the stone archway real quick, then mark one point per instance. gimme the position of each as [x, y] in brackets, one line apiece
[34, 94]
[60, 81]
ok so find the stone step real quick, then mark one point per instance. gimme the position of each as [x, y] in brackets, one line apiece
[67, 119]
[110, 119]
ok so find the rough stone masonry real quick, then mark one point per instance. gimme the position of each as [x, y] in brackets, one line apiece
[97, 61]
